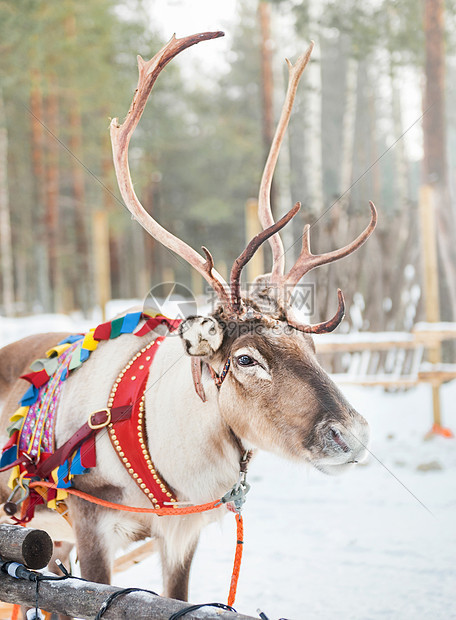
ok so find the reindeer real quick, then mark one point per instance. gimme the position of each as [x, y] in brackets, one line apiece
[244, 378]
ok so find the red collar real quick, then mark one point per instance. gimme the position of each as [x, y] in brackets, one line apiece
[128, 436]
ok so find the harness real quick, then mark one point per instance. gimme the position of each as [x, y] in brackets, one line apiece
[41, 474]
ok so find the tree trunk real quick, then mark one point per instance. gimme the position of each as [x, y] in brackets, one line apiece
[52, 189]
[313, 115]
[267, 88]
[81, 273]
[435, 162]
[6, 249]
[39, 222]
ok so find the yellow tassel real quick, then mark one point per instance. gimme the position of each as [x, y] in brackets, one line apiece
[19, 413]
[14, 476]
[61, 495]
[58, 350]
[89, 343]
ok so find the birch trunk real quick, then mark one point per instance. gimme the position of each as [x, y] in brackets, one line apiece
[283, 190]
[312, 138]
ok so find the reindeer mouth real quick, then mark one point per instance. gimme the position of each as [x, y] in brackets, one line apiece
[340, 449]
[334, 469]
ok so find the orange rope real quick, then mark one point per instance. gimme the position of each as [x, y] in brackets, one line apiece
[237, 559]
[167, 512]
[186, 510]
[15, 614]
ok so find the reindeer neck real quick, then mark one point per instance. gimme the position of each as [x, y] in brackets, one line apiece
[191, 445]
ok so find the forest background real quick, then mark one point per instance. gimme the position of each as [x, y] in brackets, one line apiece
[374, 120]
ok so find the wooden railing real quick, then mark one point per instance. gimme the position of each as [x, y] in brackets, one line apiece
[24, 549]
[394, 360]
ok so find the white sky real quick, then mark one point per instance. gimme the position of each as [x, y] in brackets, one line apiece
[185, 17]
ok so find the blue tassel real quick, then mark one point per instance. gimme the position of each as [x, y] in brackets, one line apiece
[9, 456]
[76, 465]
[30, 397]
[130, 322]
[62, 473]
[84, 355]
[71, 339]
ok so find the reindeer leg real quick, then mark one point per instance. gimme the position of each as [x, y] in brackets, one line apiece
[92, 543]
[176, 575]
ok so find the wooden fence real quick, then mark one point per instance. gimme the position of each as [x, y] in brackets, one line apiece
[394, 360]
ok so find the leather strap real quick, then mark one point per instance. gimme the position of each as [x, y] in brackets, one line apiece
[97, 421]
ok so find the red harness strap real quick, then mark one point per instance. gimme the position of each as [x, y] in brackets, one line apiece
[128, 435]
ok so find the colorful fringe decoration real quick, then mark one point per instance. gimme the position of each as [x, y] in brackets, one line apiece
[33, 423]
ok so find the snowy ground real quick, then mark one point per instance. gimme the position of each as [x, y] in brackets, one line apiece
[357, 547]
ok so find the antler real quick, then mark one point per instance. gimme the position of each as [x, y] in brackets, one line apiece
[325, 326]
[308, 261]
[252, 247]
[264, 197]
[120, 139]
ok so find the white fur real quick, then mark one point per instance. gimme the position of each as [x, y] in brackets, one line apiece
[203, 335]
[179, 427]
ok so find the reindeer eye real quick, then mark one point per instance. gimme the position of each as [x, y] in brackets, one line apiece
[245, 360]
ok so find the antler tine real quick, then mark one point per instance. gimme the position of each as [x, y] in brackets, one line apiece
[219, 288]
[308, 261]
[120, 139]
[254, 244]
[326, 326]
[264, 198]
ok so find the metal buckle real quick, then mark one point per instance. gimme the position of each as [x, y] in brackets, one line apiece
[103, 424]
[238, 492]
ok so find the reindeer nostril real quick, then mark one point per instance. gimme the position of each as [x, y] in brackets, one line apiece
[337, 438]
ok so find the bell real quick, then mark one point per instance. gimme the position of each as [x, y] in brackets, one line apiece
[10, 508]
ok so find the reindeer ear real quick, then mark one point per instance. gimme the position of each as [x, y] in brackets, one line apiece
[202, 336]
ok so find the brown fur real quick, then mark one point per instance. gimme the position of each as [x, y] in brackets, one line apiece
[176, 578]
[15, 360]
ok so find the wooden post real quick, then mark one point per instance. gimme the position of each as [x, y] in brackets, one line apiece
[255, 266]
[135, 556]
[101, 255]
[28, 546]
[431, 285]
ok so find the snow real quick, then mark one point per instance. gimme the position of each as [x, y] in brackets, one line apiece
[363, 337]
[359, 546]
[378, 542]
[441, 326]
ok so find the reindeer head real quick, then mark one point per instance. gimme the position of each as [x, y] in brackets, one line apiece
[275, 395]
